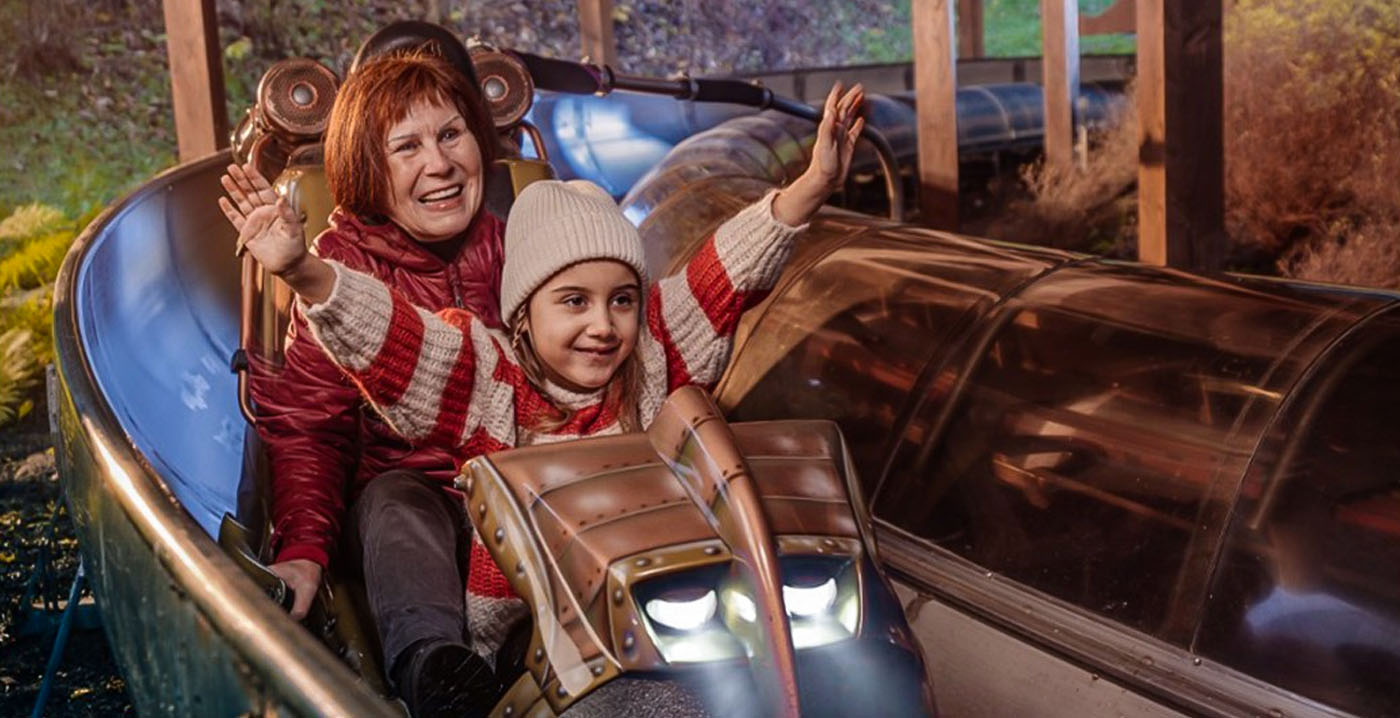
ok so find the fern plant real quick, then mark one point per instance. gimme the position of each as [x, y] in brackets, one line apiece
[33, 242]
[31, 220]
[32, 313]
[36, 261]
[19, 374]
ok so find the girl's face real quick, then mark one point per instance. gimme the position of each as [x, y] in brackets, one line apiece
[584, 322]
[434, 172]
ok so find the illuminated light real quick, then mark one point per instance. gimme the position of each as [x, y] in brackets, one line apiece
[699, 647]
[683, 615]
[812, 601]
[743, 606]
[820, 632]
[848, 614]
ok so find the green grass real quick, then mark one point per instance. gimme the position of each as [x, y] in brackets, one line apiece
[75, 140]
[1011, 28]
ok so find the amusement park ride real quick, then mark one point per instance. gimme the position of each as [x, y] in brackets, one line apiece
[1000, 479]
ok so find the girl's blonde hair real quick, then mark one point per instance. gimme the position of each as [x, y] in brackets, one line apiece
[624, 388]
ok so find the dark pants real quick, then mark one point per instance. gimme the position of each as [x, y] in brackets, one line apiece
[412, 540]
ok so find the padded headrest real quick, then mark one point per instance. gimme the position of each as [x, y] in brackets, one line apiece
[407, 35]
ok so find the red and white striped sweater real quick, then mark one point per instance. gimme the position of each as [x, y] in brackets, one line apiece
[447, 379]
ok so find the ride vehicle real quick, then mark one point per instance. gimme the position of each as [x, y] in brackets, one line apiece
[1099, 488]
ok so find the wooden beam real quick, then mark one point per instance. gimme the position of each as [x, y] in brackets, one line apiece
[1059, 28]
[1181, 168]
[196, 77]
[1120, 17]
[595, 24]
[971, 35]
[935, 90]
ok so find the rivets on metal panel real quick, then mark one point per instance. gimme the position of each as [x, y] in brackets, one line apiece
[642, 562]
[500, 535]
[539, 653]
[598, 670]
[509, 711]
[629, 641]
[711, 550]
[520, 568]
[560, 691]
[481, 510]
[617, 595]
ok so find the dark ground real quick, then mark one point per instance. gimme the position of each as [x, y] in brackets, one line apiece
[88, 683]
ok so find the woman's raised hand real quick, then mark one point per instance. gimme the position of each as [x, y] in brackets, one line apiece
[840, 128]
[269, 229]
[267, 226]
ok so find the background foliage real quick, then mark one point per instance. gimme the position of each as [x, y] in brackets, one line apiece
[1312, 151]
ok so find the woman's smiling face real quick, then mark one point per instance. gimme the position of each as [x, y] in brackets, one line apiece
[584, 322]
[435, 172]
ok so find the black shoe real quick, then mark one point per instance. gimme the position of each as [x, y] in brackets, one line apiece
[448, 679]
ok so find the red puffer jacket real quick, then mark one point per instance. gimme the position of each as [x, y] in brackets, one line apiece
[318, 432]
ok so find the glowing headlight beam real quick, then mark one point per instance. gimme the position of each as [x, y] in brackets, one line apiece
[683, 615]
[811, 601]
[743, 606]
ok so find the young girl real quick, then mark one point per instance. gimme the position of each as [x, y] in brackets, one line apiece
[591, 348]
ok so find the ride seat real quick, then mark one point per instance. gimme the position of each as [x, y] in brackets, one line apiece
[281, 136]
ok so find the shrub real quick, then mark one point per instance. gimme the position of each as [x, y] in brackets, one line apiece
[1088, 209]
[1312, 136]
[1312, 150]
[1366, 254]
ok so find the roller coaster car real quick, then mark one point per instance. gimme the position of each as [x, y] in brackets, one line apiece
[655, 554]
[1139, 490]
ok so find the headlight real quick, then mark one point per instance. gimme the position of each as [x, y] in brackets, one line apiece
[810, 601]
[679, 612]
[706, 615]
[822, 596]
[683, 615]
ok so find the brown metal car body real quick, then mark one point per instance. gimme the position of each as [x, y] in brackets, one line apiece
[580, 527]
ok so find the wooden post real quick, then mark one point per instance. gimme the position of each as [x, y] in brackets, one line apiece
[971, 36]
[1059, 64]
[936, 92]
[1181, 168]
[595, 24]
[196, 77]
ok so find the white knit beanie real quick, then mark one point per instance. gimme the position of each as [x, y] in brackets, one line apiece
[554, 225]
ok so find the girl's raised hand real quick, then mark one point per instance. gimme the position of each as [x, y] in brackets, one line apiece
[840, 128]
[267, 226]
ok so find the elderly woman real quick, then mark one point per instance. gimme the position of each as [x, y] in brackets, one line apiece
[405, 156]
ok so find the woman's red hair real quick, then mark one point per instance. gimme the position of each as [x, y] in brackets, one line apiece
[371, 101]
